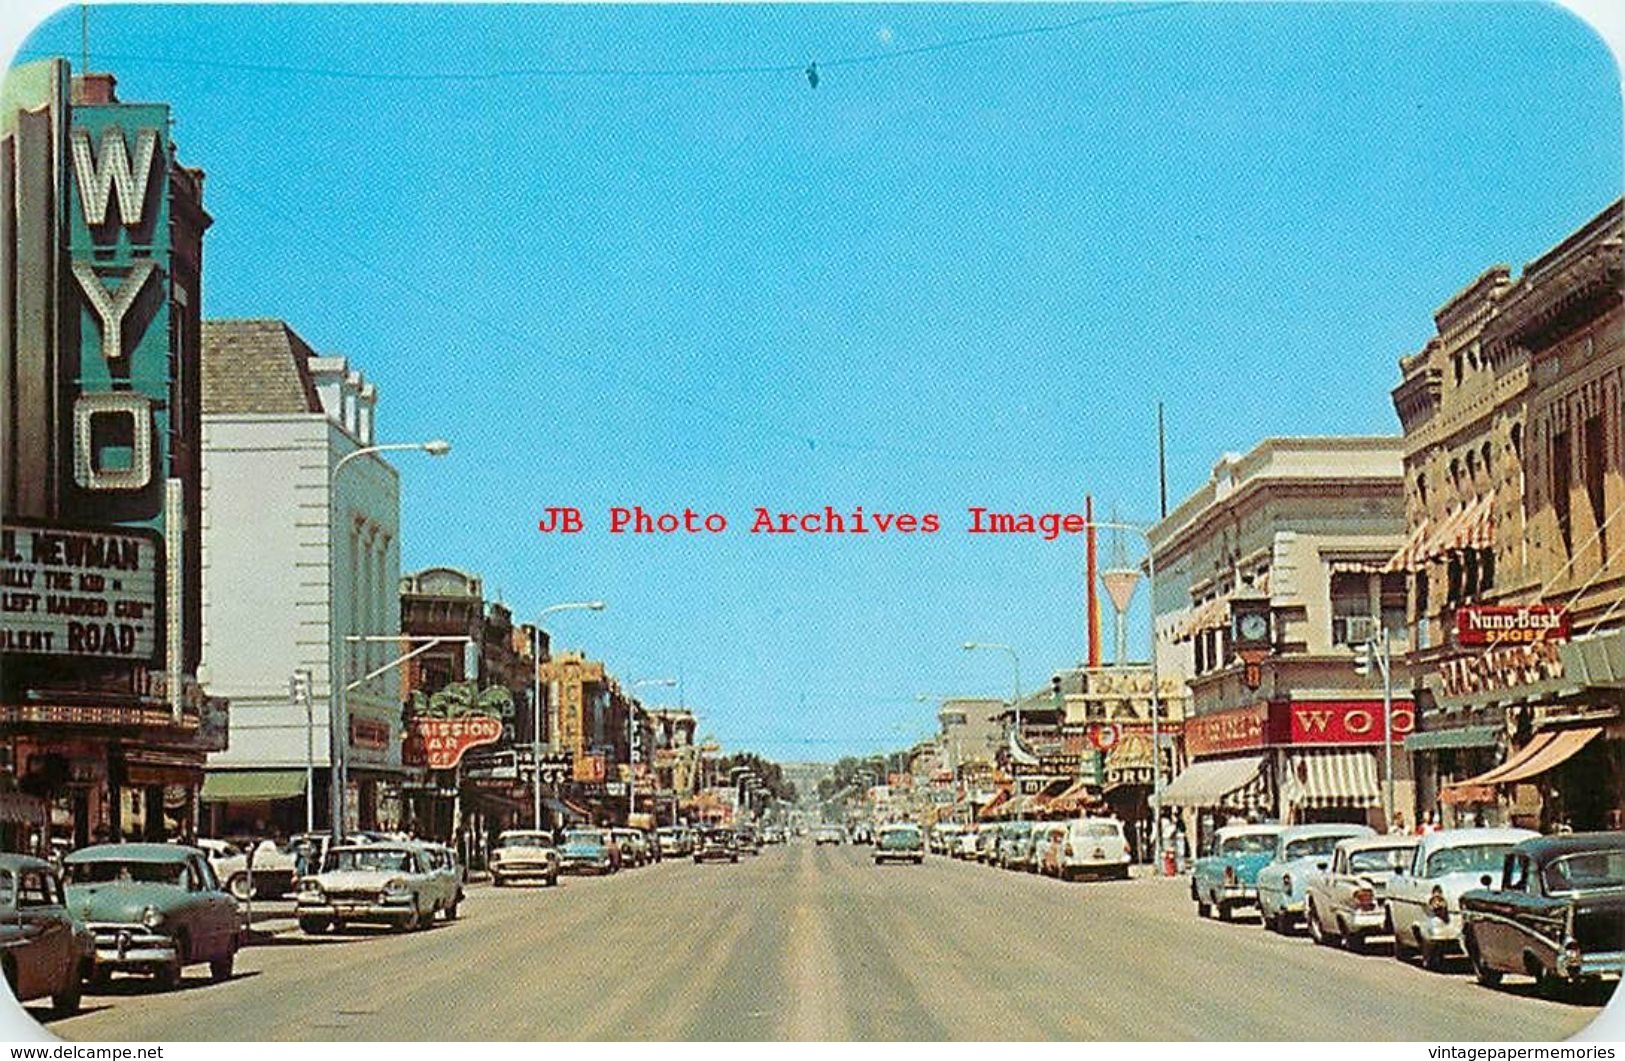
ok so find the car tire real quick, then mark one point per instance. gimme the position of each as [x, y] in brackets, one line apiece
[1221, 909]
[413, 920]
[65, 1003]
[451, 912]
[697, 860]
[1432, 956]
[1312, 925]
[497, 882]
[553, 881]
[314, 926]
[238, 887]
[220, 969]
[734, 859]
[1482, 973]
[168, 976]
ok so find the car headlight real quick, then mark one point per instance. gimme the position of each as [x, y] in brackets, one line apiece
[311, 887]
[396, 888]
[152, 917]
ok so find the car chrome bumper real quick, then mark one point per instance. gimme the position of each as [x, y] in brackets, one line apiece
[1435, 931]
[1367, 920]
[344, 910]
[1607, 963]
[132, 947]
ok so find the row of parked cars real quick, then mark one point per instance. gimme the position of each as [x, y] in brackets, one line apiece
[1513, 901]
[1066, 850]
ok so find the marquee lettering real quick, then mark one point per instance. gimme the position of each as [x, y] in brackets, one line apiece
[98, 182]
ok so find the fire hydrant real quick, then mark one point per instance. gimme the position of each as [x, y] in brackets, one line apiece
[1168, 867]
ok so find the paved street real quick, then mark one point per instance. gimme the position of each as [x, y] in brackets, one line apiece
[816, 943]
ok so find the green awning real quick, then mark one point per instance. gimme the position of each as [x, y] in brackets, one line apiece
[1459, 737]
[230, 786]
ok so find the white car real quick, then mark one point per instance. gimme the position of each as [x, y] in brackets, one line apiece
[524, 854]
[392, 884]
[964, 845]
[1302, 852]
[443, 861]
[1424, 899]
[1345, 903]
[1090, 847]
[274, 868]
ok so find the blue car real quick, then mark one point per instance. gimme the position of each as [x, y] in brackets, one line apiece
[1228, 877]
[587, 851]
[1301, 852]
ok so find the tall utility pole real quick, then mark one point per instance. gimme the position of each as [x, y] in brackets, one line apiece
[536, 700]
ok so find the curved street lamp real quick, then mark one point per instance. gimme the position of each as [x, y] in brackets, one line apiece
[536, 698]
[337, 677]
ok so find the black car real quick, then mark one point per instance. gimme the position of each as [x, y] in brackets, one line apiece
[748, 839]
[715, 845]
[1558, 913]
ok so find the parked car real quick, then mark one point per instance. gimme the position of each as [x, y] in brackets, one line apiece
[587, 851]
[442, 862]
[275, 869]
[524, 854]
[964, 846]
[391, 884]
[1424, 911]
[44, 952]
[1301, 852]
[675, 842]
[634, 847]
[1228, 877]
[1345, 904]
[1089, 847]
[1556, 912]
[899, 843]
[828, 834]
[987, 842]
[153, 909]
[716, 845]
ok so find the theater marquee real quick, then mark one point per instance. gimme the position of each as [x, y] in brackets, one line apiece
[93, 594]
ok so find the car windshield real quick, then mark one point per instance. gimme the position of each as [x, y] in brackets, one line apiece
[1098, 829]
[900, 838]
[119, 871]
[388, 860]
[1311, 846]
[524, 840]
[1585, 870]
[1379, 859]
[584, 836]
[1247, 844]
[1470, 858]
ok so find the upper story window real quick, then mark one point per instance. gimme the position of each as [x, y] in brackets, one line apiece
[1351, 600]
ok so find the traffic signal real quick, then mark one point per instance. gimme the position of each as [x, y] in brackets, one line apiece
[1055, 688]
[1362, 659]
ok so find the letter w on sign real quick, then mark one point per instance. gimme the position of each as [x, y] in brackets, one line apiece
[98, 181]
[1314, 721]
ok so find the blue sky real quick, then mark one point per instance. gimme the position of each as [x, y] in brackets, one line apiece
[625, 255]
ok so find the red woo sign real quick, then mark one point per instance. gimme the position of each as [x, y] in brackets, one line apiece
[439, 743]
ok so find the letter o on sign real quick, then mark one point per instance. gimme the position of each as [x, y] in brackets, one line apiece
[1358, 722]
[1404, 720]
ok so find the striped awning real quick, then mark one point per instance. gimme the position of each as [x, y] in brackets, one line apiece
[1408, 558]
[1327, 778]
[1206, 784]
[1077, 796]
[1548, 749]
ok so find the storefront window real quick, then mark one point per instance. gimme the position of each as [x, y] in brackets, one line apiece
[1351, 599]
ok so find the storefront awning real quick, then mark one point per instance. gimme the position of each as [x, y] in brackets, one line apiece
[991, 810]
[1205, 784]
[1204, 616]
[1548, 749]
[1075, 798]
[252, 786]
[1320, 779]
[563, 810]
[1458, 737]
[1409, 556]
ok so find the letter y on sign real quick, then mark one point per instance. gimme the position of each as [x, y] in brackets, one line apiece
[110, 307]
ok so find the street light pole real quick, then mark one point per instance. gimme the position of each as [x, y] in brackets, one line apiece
[631, 744]
[536, 699]
[337, 674]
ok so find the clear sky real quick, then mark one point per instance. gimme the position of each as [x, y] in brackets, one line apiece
[626, 255]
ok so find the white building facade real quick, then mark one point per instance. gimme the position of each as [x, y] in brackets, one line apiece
[277, 420]
[1301, 528]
